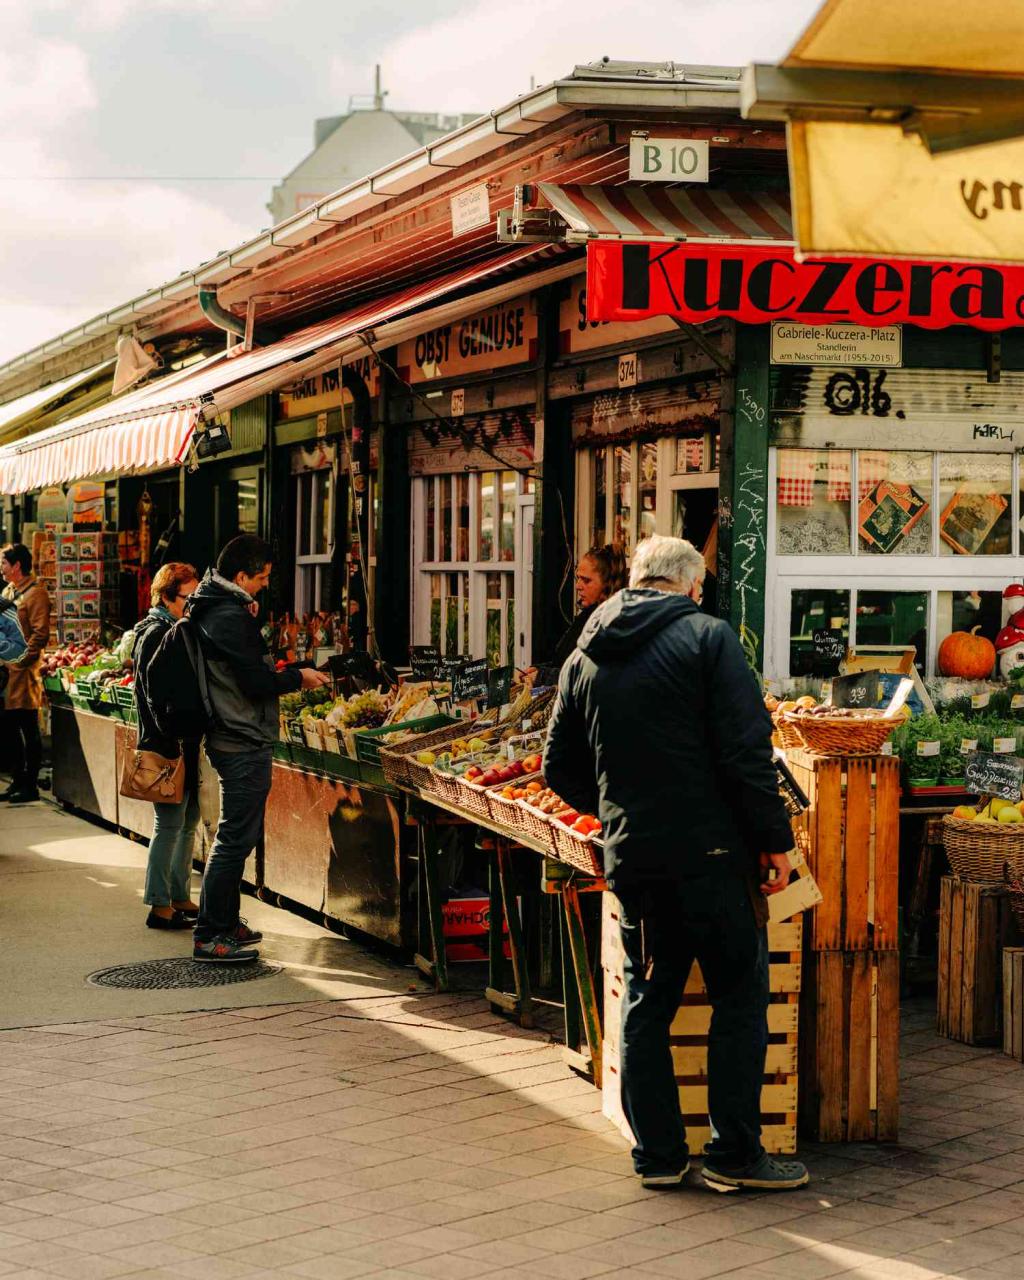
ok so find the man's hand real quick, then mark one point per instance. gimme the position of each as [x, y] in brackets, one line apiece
[775, 872]
[312, 679]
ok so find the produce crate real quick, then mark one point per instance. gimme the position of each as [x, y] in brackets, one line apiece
[537, 826]
[296, 735]
[399, 762]
[582, 852]
[473, 798]
[975, 925]
[507, 812]
[849, 1046]
[852, 849]
[1013, 1002]
[87, 697]
[689, 1038]
[56, 692]
[368, 741]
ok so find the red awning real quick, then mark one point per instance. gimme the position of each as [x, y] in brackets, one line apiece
[661, 213]
[152, 427]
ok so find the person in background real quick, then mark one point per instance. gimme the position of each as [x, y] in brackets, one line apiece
[244, 689]
[12, 642]
[600, 573]
[169, 866]
[660, 729]
[24, 695]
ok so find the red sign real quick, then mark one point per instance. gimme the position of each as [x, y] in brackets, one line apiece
[757, 285]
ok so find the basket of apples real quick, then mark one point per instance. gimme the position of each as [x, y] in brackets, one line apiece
[574, 842]
[501, 800]
[476, 781]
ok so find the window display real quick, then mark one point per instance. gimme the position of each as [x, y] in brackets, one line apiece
[813, 502]
[974, 494]
[894, 512]
[816, 610]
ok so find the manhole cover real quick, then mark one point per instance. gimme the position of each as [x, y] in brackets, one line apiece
[152, 975]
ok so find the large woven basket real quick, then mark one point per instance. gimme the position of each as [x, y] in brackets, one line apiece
[786, 735]
[508, 813]
[576, 850]
[841, 735]
[537, 825]
[399, 763]
[983, 850]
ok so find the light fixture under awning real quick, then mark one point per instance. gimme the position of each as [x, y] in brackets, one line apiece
[153, 427]
[667, 214]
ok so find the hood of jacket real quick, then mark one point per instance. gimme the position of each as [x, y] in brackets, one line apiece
[625, 623]
[214, 590]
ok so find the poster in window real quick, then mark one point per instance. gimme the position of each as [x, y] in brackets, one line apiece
[888, 513]
[969, 518]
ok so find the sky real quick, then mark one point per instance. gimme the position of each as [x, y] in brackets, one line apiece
[140, 139]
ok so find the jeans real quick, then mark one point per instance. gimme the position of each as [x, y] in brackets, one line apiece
[665, 927]
[28, 747]
[244, 786]
[169, 868]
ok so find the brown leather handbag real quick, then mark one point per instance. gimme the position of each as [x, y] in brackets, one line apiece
[146, 775]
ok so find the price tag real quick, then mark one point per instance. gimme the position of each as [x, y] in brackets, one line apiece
[1016, 701]
[988, 774]
[967, 745]
[469, 680]
[425, 661]
[928, 748]
[1004, 746]
[979, 700]
[860, 690]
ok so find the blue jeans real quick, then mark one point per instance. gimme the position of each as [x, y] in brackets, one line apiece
[169, 868]
[665, 927]
[245, 778]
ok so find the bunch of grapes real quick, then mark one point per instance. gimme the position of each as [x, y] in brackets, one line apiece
[365, 710]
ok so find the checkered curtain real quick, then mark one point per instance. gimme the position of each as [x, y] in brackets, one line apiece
[797, 469]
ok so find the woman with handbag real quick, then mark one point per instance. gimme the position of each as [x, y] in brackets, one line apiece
[158, 764]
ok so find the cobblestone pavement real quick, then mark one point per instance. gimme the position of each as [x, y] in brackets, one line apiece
[412, 1136]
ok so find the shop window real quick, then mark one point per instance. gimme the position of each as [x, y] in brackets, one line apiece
[314, 539]
[622, 497]
[813, 502]
[488, 506]
[599, 511]
[975, 508]
[509, 490]
[816, 609]
[648, 490]
[967, 610]
[894, 618]
[894, 493]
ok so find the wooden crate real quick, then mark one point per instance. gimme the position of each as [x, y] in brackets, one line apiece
[852, 848]
[975, 924]
[1013, 1002]
[849, 1046]
[689, 1039]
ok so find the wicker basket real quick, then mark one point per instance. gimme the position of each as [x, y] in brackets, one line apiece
[982, 850]
[402, 768]
[473, 798]
[537, 825]
[446, 785]
[785, 735]
[576, 850]
[840, 735]
[507, 813]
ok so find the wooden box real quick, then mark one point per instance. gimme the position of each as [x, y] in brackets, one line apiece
[975, 924]
[689, 1039]
[852, 848]
[849, 1046]
[1013, 1002]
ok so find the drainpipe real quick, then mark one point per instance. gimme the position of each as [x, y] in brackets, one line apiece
[217, 315]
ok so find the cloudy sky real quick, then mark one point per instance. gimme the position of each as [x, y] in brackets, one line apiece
[140, 138]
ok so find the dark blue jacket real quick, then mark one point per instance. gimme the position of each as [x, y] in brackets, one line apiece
[660, 729]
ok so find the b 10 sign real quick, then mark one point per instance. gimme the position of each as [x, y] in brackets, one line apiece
[668, 159]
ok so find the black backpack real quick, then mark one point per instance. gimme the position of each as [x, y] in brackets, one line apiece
[177, 684]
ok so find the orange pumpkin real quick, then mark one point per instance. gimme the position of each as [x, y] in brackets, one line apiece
[966, 654]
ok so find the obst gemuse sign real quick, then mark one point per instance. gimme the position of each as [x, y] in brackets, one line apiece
[758, 284]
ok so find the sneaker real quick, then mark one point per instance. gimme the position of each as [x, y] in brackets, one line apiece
[176, 921]
[656, 1180]
[224, 950]
[245, 936]
[21, 795]
[764, 1174]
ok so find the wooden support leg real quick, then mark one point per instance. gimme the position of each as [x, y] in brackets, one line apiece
[503, 908]
[520, 969]
[430, 867]
[584, 982]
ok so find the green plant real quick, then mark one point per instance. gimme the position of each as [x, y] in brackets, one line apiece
[926, 728]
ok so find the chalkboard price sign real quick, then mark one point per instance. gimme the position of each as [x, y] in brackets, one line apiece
[829, 650]
[470, 680]
[425, 662]
[994, 775]
[499, 686]
[863, 689]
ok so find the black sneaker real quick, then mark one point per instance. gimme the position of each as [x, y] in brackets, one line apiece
[224, 950]
[764, 1174]
[21, 795]
[244, 936]
[661, 1180]
[176, 921]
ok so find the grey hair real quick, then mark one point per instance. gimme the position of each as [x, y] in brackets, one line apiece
[661, 559]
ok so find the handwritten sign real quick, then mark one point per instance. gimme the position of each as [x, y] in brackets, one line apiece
[425, 661]
[829, 650]
[499, 686]
[988, 774]
[861, 690]
[469, 680]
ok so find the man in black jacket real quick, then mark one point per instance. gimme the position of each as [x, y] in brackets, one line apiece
[244, 690]
[660, 729]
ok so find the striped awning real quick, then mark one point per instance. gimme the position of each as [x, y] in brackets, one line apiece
[657, 212]
[152, 427]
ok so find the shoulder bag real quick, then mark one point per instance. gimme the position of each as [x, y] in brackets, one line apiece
[146, 775]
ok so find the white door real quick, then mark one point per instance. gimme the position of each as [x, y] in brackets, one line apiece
[524, 581]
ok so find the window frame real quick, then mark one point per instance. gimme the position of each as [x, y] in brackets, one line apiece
[312, 571]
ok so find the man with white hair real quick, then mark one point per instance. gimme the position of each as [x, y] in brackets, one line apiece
[660, 729]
